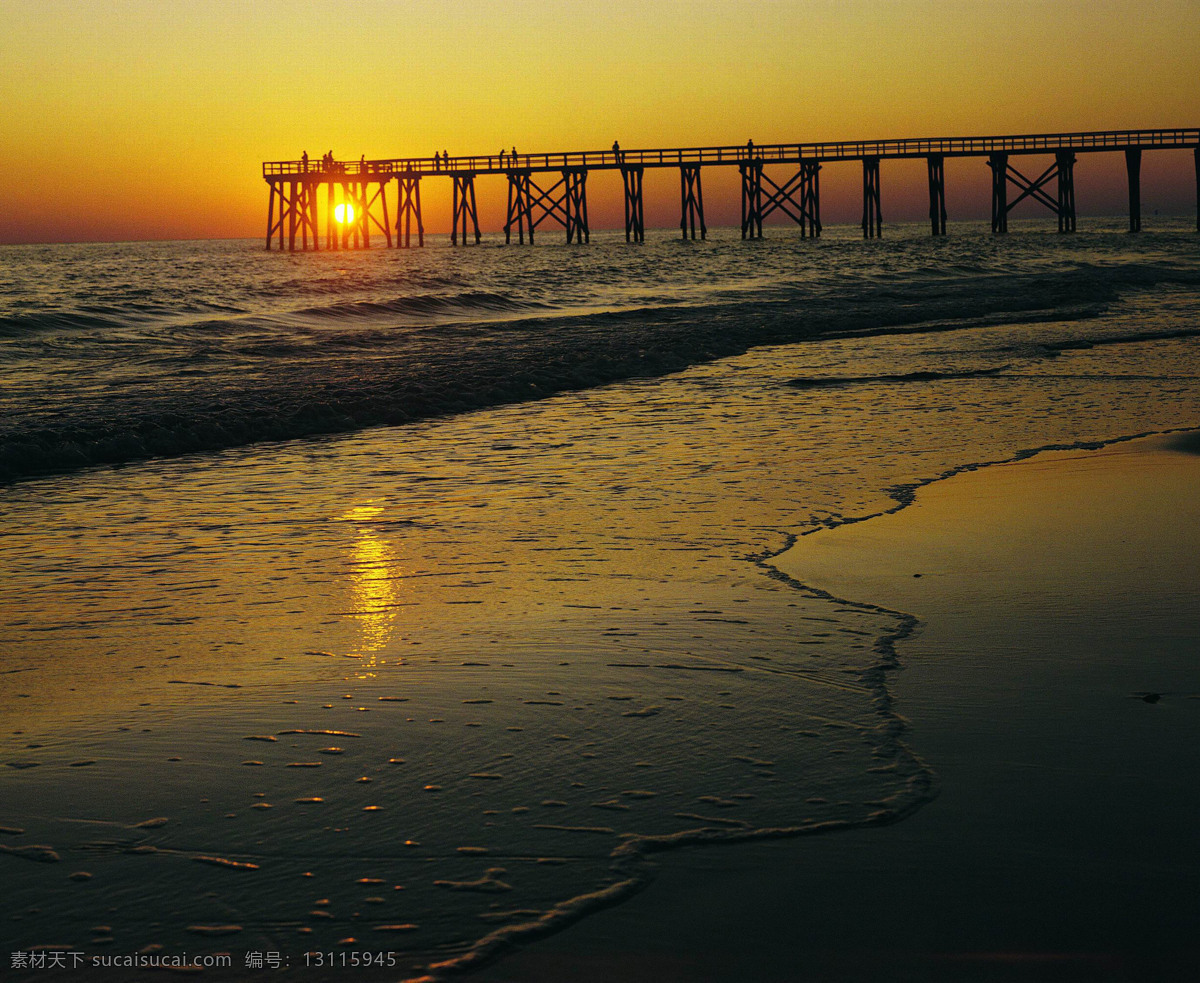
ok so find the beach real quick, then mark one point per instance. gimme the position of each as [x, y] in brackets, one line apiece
[1051, 686]
[565, 672]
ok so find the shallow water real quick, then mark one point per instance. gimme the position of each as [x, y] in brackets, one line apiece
[558, 613]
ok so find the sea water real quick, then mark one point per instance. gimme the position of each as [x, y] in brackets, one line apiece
[409, 602]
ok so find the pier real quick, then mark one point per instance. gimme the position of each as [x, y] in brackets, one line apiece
[551, 188]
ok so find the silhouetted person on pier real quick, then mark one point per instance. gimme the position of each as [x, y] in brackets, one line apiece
[749, 148]
[617, 151]
[304, 161]
[514, 155]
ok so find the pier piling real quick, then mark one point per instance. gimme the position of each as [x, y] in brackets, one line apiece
[520, 212]
[999, 165]
[1133, 168]
[1065, 162]
[872, 221]
[464, 207]
[635, 215]
[408, 209]
[575, 204]
[752, 206]
[936, 166]
[692, 201]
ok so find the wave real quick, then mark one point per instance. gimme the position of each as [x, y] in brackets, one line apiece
[927, 376]
[121, 316]
[469, 302]
[381, 377]
[16, 325]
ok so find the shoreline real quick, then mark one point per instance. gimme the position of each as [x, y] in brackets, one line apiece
[937, 923]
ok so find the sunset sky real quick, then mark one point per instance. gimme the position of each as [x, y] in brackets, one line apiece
[148, 119]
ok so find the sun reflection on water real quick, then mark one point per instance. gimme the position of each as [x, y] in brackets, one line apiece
[374, 581]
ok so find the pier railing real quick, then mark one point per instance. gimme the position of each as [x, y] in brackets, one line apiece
[737, 154]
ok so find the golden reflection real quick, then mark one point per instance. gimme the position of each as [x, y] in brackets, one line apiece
[374, 588]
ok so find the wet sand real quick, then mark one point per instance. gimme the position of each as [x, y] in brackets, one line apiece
[1052, 687]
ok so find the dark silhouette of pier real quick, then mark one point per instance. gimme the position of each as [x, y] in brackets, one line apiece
[552, 187]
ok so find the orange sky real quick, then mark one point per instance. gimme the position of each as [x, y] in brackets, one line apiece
[143, 119]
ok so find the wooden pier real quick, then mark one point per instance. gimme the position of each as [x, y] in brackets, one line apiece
[551, 188]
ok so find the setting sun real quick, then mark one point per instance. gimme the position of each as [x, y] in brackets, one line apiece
[344, 214]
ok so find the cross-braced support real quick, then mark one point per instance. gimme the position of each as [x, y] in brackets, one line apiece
[351, 230]
[799, 198]
[691, 201]
[635, 217]
[565, 202]
[297, 204]
[872, 220]
[752, 206]
[937, 193]
[464, 207]
[1063, 205]
[408, 210]
[365, 198]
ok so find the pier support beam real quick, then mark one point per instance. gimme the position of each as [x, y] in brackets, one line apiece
[810, 198]
[575, 199]
[1065, 162]
[520, 212]
[297, 213]
[1133, 168]
[464, 207]
[635, 217]
[271, 212]
[872, 220]
[691, 201]
[752, 207]
[999, 165]
[408, 210]
[937, 193]
[351, 230]
[331, 239]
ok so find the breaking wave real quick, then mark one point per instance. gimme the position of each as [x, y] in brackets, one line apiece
[120, 382]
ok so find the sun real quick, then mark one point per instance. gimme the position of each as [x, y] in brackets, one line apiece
[344, 214]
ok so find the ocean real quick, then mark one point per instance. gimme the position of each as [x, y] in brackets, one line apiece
[406, 603]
